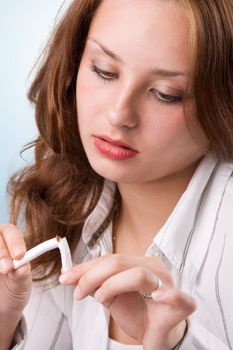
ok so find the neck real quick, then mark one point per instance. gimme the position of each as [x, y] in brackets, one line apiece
[145, 208]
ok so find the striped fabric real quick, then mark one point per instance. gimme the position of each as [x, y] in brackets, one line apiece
[196, 244]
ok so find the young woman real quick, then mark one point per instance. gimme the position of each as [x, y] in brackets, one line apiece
[133, 165]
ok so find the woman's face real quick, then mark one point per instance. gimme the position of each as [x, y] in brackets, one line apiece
[130, 88]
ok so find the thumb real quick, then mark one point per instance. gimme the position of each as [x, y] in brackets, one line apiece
[181, 304]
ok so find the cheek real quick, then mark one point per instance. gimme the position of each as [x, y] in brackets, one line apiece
[90, 94]
[178, 127]
[169, 125]
[85, 97]
[84, 88]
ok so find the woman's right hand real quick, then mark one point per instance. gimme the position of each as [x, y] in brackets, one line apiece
[15, 285]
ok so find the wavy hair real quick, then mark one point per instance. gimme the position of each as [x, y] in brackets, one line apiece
[52, 193]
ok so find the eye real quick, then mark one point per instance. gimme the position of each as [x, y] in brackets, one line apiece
[102, 74]
[164, 98]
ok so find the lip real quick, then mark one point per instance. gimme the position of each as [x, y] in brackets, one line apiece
[115, 142]
[114, 149]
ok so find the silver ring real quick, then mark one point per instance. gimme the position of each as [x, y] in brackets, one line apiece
[148, 296]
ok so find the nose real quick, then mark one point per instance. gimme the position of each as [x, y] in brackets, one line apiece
[123, 113]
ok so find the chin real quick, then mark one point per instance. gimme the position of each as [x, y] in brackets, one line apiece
[114, 172]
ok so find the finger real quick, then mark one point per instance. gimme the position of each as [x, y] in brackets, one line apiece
[179, 305]
[72, 276]
[136, 279]
[176, 299]
[175, 307]
[115, 260]
[22, 277]
[14, 240]
[100, 272]
[4, 253]
[91, 275]
[5, 261]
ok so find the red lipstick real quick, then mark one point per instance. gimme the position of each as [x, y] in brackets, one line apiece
[114, 149]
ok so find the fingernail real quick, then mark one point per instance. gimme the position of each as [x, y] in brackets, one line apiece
[65, 277]
[18, 250]
[5, 265]
[156, 295]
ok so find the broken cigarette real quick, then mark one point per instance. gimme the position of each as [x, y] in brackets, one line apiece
[57, 242]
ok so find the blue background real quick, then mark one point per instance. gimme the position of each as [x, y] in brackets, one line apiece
[24, 28]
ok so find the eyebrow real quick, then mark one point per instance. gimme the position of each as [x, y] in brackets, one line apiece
[154, 71]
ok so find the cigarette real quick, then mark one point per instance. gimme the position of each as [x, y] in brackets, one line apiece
[57, 242]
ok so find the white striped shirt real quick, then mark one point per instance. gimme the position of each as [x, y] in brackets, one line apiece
[196, 244]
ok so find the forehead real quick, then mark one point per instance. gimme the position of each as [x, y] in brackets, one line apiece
[146, 31]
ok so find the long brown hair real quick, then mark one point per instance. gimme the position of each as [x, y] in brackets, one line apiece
[212, 75]
[52, 193]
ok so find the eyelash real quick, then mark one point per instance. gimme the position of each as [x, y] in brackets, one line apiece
[159, 96]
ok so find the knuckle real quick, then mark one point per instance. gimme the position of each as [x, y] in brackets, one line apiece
[78, 269]
[87, 282]
[84, 282]
[141, 276]
[117, 262]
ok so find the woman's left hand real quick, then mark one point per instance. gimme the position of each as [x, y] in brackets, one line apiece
[118, 282]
